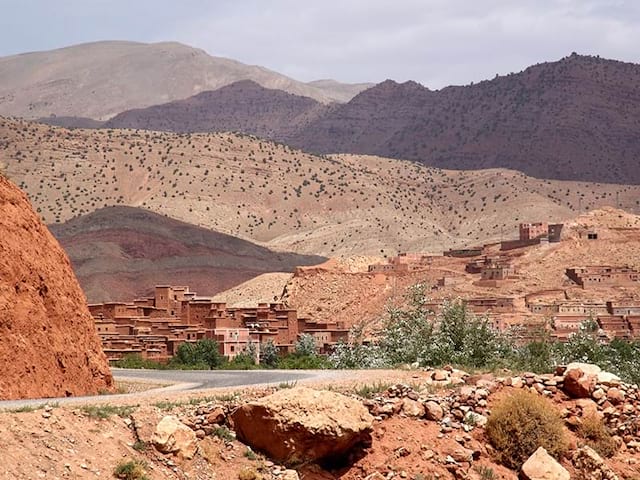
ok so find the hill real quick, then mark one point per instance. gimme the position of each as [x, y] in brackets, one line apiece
[49, 346]
[283, 198]
[574, 119]
[119, 253]
[243, 106]
[98, 80]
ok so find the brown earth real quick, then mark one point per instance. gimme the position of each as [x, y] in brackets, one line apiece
[101, 79]
[120, 253]
[282, 198]
[71, 442]
[49, 346]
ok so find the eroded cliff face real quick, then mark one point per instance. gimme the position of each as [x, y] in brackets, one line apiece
[49, 346]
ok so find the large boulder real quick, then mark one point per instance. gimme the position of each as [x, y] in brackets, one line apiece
[578, 383]
[301, 425]
[49, 345]
[542, 466]
[173, 436]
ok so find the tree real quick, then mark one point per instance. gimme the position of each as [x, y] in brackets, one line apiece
[204, 352]
[269, 354]
[306, 346]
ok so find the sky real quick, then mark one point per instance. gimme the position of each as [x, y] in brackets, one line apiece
[434, 42]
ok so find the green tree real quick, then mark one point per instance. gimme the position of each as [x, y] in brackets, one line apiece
[203, 353]
[269, 354]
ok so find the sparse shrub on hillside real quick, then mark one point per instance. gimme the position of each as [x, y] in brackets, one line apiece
[521, 423]
[595, 434]
[131, 470]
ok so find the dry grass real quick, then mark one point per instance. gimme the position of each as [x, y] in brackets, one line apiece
[595, 434]
[521, 423]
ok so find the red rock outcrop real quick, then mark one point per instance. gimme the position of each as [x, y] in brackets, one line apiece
[49, 346]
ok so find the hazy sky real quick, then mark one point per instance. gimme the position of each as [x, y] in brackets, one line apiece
[435, 42]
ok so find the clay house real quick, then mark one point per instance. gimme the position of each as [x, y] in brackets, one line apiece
[403, 263]
[603, 275]
[531, 231]
[326, 334]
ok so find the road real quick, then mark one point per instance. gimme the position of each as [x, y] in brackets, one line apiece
[185, 380]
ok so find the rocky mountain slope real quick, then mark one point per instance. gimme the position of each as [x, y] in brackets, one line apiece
[574, 119]
[243, 106]
[120, 253]
[283, 198]
[49, 346]
[98, 80]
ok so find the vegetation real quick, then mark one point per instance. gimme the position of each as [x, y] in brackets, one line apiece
[521, 423]
[106, 411]
[203, 354]
[131, 470]
[595, 434]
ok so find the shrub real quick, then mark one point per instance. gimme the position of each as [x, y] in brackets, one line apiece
[106, 411]
[130, 470]
[135, 360]
[521, 423]
[205, 352]
[268, 354]
[595, 433]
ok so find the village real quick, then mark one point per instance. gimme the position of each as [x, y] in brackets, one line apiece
[155, 326]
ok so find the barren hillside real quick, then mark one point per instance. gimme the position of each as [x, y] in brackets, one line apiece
[99, 80]
[120, 253]
[283, 198]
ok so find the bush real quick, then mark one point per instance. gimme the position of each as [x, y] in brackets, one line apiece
[521, 423]
[135, 360]
[595, 433]
[130, 470]
[269, 354]
[204, 352]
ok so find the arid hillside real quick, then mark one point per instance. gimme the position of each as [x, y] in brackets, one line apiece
[49, 346]
[120, 253]
[341, 290]
[240, 107]
[575, 119]
[98, 80]
[283, 198]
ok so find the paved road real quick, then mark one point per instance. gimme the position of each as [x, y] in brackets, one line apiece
[183, 380]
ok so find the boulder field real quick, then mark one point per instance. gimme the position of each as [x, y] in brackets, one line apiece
[49, 346]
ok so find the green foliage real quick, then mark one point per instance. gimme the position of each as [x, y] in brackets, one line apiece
[106, 411]
[356, 353]
[306, 346]
[269, 354]
[370, 390]
[295, 361]
[521, 423]
[203, 353]
[140, 446]
[224, 433]
[131, 470]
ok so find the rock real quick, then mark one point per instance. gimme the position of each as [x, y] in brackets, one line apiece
[216, 416]
[608, 379]
[49, 344]
[542, 466]
[615, 396]
[577, 384]
[144, 420]
[173, 436]
[475, 419]
[591, 466]
[289, 475]
[303, 425]
[412, 408]
[586, 368]
[598, 394]
[440, 375]
[433, 411]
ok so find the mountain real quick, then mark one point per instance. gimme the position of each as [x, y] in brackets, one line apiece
[99, 80]
[120, 252]
[281, 198]
[243, 106]
[341, 92]
[574, 119]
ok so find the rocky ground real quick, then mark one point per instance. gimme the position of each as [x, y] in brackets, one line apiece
[409, 424]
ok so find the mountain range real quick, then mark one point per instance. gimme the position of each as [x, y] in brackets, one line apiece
[101, 79]
[573, 119]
